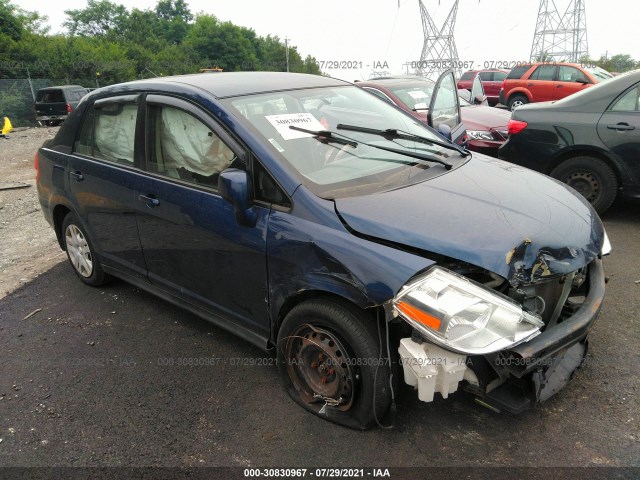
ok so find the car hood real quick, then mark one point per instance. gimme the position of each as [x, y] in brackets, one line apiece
[507, 219]
[487, 117]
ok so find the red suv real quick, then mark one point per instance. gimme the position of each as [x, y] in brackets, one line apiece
[543, 82]
[491, 81]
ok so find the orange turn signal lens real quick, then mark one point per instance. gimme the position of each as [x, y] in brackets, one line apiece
[419, 315]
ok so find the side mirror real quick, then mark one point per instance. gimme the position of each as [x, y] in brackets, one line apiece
[479, 99]
[583, 81]
[445, 131]
[234, 186]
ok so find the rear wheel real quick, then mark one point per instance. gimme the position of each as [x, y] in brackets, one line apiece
[517, 101]
[328, 354]
[80, 252]
[592, 178]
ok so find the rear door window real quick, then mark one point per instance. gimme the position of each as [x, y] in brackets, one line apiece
[486, 76]
[499, 76]
[467, 76]
[108, 132]
[544, 72]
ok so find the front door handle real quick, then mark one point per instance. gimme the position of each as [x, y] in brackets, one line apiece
[78, 175]
[621, 127]
[559, 86]
[150, 199]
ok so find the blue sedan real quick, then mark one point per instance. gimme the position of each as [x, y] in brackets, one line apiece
[336, 231]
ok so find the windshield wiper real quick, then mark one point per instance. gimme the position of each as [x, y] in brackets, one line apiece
[325, 136]
[394, 133]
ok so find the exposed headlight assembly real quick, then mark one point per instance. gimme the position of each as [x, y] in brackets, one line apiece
[463, 316]
[480, 135]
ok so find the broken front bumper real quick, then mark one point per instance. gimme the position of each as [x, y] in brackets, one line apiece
[515, 379]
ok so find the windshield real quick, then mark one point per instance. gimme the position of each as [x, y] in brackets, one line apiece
[600, 73]
[344, 163]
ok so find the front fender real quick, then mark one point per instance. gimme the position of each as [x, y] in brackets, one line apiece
[305, 256]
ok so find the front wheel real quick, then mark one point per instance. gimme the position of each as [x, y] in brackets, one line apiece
[80, 252]
[592, 178]
[330, 363]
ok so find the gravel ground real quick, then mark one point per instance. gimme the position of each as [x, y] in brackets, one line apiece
[28, 246]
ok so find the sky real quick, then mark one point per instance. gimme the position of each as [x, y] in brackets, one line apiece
[365, 35]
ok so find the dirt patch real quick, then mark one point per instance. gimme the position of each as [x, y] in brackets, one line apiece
[28, 245]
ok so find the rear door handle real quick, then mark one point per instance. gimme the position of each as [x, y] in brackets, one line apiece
[78, 175]
[559, 86]
[621, 127]
[150, 199]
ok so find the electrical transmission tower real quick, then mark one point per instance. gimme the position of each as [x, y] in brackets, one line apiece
[560, 38]
[439, 51]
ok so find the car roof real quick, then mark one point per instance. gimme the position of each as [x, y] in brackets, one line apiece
[63, 87]
[232, 84]
[395, 81]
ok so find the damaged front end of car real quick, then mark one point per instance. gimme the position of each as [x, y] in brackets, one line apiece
[512, 342]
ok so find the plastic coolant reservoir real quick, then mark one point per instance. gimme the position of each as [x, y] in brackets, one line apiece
[430, 368]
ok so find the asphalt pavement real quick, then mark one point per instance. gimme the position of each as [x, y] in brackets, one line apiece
[114, 376]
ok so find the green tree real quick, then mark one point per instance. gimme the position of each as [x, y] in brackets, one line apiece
[100, 18]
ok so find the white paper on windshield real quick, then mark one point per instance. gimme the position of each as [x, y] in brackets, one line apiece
[417, 94]
[303, 120]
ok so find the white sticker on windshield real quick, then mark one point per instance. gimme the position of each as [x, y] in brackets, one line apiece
[303, 120]
[417, 94]
[276, 144]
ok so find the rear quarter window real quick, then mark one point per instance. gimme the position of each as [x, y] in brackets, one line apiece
[517, 72]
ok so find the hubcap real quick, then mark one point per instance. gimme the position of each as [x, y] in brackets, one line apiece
[586, 184]
[320, 367]
[79, 251]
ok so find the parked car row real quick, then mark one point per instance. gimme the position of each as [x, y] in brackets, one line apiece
[589, 140]
[335, 230]
[485, 128]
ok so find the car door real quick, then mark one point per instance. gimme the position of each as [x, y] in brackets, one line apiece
[492, 87]
[104, 176]
[541, 83]
[570, 80]
[478, 96]
[444, 109]
[193, 245]
[619, 129]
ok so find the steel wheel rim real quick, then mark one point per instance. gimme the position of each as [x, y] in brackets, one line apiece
[320, 367]
[586, 184]
[79, 251]
[516, 104]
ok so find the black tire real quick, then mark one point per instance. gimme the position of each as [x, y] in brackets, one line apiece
[330, 348]
[516, 101]
[592, 178]
[81, 253]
